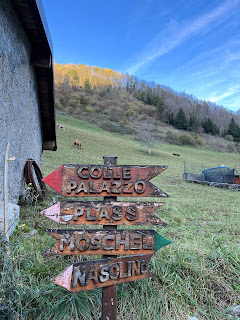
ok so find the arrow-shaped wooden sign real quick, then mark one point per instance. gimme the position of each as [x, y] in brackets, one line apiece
[104, 213]
[89, 275]
[105, 242]
[72, 180]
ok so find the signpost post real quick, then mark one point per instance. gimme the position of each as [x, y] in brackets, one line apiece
[109, 293]
[108, 180]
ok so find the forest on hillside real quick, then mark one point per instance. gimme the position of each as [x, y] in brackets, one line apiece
[84, 90]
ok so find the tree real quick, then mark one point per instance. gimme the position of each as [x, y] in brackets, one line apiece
[194, 123]
[181, 121]
[87, 86]
[234, 130]
[74, 77]
[210, 127]
[159, 104]
[146, 133]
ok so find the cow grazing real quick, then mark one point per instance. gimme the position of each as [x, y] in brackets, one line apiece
[61, 127]
[77, 143]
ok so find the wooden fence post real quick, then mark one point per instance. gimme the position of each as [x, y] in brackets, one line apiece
[5, 192]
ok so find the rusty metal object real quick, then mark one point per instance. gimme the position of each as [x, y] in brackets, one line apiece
[104, 213]
[33, 177]
[110, 242]
[105, 180]
[89, 275]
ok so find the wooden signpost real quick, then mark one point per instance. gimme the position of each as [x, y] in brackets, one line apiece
[109, 180]
[103, 273]
[72, 180]
[104, 213]
[110, 242]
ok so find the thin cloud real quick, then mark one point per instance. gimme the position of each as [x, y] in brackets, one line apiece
[223, 96]
[216, 75]
[179, 35]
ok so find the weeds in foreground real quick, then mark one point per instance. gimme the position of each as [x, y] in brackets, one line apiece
[27, 293]
[186, 281]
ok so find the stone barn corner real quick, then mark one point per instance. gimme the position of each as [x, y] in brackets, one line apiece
[27, 112]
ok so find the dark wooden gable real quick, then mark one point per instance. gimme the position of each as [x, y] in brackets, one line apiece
[32, 17]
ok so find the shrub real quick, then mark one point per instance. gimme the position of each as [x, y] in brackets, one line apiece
[89, 109]
[231, 147]
[129, 113]
[142, 116]
[69, 109]
[79, 105]
[229, 137]
[58, 105]
[172, 137]
[124, 121]
[237, 146]
[106, 92]
[92, 101]
[186, 139]
[199, 141]
[84, 100]
[74, 95]
[114, 127]
[72, 102]
[76, 112]
[116, 112]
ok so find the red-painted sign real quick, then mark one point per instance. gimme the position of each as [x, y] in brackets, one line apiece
[104, 180]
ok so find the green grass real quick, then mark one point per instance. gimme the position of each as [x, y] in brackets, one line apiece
[199, 273]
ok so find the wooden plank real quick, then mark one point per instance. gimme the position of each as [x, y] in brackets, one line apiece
[105, 242]
[109, 294]
[89, 275]
[104, 213]
[105, 180]
[109, 303]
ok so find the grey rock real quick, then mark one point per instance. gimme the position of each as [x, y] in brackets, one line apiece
[235, 311]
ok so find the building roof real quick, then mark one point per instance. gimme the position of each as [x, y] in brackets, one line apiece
[32, 17]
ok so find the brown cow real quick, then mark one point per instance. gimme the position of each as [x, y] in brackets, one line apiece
[77, 143]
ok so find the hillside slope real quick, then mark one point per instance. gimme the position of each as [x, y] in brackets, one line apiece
[124, 104]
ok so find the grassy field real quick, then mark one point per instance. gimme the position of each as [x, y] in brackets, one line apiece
[198, 274]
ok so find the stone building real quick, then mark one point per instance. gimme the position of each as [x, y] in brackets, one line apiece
[27, 113]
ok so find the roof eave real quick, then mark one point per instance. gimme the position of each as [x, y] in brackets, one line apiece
[32, 17]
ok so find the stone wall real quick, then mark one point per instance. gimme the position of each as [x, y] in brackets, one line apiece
[19, 109]
[193, 177]
[235, 187]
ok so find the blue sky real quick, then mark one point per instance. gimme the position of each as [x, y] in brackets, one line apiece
[190, 45]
